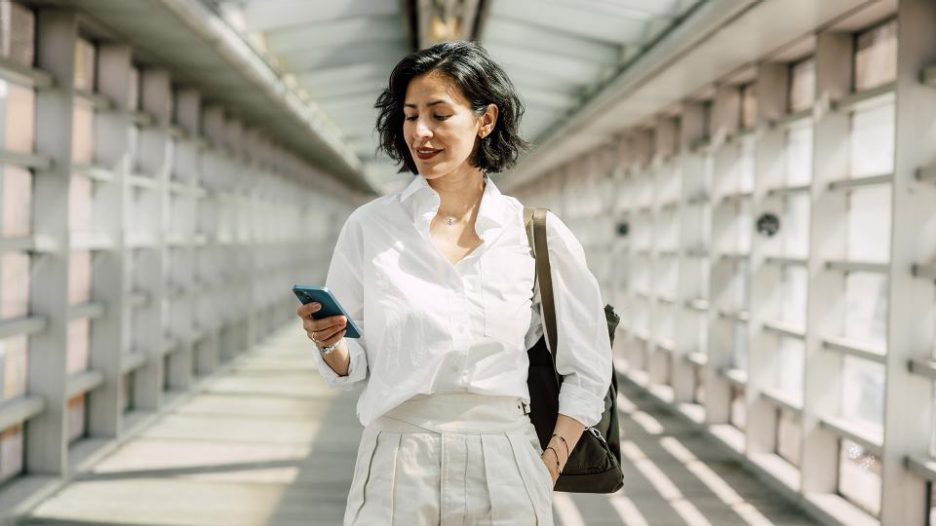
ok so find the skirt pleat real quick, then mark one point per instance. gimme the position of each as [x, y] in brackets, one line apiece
[480, 466]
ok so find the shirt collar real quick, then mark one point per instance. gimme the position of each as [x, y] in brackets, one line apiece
[422, 202]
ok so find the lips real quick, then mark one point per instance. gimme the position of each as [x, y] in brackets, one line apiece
[426, 153]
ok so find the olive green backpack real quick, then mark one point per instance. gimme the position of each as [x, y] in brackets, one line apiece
[594, 465]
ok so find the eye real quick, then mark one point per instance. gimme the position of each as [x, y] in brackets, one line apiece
[442, 117]
[413, 118]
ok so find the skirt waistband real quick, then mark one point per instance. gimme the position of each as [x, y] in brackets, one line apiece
[467, 413]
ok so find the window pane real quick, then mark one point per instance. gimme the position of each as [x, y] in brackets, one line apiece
[866, 307]
[871, 150]
[860, 476]
[795, 225]
[14, 285]
[739, 351]
[19, 117]
[869, 223]
[876, 57]
[82, 133]
[802, 84]
[11, 452]
[76, 418]
[788, 369]
[799, 143]
[748, 106]
[13, 366]
[20, 24]
[79, 277]
[863, 392]
[79, 204]
[84, 65]
[793, 296]
[738, 417]
[79, 332]
[17, 202]
[789, 435]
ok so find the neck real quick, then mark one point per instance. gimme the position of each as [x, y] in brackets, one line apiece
[459, 193]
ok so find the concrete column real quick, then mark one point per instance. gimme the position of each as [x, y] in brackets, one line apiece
[909, 411]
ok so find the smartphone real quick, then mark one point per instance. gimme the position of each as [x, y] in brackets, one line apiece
[330, 306]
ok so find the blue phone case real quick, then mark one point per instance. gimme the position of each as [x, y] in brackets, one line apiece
[330, 306]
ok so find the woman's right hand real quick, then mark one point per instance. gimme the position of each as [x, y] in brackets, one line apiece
[322, 331]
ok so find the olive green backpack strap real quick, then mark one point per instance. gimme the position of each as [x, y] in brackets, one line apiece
[535, 222]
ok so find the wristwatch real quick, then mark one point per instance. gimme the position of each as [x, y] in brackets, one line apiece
[328, 350]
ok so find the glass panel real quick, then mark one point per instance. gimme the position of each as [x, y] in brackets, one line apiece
[79, 204]
[738, 416]
[869, 223]
[748, 106]
[13, 367]
[84, 65]
[789, 435]
[17, 202]
[788, 369]
[802, 84]
[863, 392]
[14, 285]
[18, 33]
[794, 227]
[860, 476]
[76, 418]
[799, 143]
[866, 307]
[739, 351]
[871, 150]
[79, 332]
[79, 277]
[19, 120]
[11, 452]
[793, 296]
[876, 56]
[82, 133]
[698, 393]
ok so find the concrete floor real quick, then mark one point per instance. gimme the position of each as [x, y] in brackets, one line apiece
[266, 443]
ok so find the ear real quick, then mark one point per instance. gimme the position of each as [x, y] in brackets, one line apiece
[488, 120]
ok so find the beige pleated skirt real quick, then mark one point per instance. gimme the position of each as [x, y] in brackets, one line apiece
[450, 459]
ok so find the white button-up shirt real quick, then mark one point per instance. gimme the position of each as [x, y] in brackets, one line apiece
[430, 326]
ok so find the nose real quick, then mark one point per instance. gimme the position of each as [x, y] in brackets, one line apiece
[422, 130]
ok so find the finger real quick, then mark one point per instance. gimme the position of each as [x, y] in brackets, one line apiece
[327, 323]
[308, 309]
[335, 337]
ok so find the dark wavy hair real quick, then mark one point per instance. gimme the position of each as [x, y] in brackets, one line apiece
[481, 81]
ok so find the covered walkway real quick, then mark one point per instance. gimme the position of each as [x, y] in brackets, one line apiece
[263, 442]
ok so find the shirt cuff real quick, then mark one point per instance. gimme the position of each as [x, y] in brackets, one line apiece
[357, 368]
[580, 404]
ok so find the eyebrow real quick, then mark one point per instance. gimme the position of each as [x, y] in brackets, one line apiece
[430, 104]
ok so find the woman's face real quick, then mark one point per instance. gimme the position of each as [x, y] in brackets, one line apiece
[439, 126]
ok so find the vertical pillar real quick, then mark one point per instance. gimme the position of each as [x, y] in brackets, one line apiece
[112, 150]
[57, 33]
[692, 130]
[911, 312]
[822, 376]
[761, 432]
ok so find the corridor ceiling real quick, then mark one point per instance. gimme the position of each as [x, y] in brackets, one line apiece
[338, 54]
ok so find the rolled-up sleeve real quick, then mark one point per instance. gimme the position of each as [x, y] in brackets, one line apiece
[584, 347]
[345, 282]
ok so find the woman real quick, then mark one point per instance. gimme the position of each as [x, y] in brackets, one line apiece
[440, 278]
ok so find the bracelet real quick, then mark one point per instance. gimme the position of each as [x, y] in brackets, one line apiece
[557, 457]
[566, 444]
[330, 349]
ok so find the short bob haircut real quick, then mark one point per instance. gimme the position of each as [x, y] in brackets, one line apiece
[481, 81]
